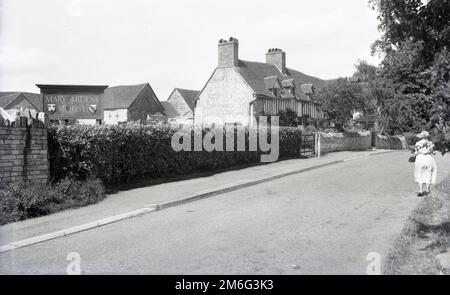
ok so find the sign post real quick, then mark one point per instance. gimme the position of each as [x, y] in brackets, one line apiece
[72, 102]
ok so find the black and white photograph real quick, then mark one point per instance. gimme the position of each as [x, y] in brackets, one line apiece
[224, 138]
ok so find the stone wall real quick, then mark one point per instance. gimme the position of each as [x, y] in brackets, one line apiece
[23, 152]
[225, 99]
[179, 104]
[390, 142]
[347, 141]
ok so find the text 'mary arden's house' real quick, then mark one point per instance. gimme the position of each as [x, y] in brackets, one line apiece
[238, 91]
[131, 103]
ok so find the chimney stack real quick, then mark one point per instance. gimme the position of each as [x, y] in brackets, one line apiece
[228, 53]
[277, 57]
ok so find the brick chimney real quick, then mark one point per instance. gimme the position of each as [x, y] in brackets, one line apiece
[228, 52]
[277, 57]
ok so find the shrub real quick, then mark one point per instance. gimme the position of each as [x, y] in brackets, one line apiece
[123, 153]
[21, 201]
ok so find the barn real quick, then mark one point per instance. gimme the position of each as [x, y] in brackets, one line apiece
[129, 103]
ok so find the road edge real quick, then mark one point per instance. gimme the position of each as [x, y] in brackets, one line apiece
[161, 206]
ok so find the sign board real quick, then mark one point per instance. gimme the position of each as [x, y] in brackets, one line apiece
[72, 101]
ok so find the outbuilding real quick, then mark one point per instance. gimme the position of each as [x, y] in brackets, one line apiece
[132, 103]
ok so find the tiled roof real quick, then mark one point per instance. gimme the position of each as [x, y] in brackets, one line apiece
[308, 88]
[3, 93]
[121, 97]
[287, 83]
[271, 82]
[189, 96]
[34, 98]
[7, 97]
[302, 78]
[259, 75]
[169, 109]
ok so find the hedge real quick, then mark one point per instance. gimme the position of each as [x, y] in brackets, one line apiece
[21, 201]
[123, 153]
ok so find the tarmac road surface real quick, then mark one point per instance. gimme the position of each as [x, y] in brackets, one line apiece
[324, 221]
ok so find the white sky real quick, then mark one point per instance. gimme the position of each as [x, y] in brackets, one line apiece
[172, 43]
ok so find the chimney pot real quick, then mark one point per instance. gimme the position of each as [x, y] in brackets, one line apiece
[277, 57]
[228, 52]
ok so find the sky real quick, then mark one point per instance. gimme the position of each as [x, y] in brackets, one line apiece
[173, 44]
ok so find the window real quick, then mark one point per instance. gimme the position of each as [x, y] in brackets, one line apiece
[275, 91]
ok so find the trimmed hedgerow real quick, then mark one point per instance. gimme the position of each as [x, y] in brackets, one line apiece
[21, 201]
[124, 153]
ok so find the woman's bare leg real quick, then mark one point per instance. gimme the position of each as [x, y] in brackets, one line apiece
[420, 190]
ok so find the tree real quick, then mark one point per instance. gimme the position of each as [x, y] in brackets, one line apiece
[365, 72]
[340, 99]
[366, 76]
[415, 71]
[404, 80]
[288, 118]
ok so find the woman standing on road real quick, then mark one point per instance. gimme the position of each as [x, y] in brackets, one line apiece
[425, 166]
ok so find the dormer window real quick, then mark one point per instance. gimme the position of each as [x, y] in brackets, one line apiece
[273, 85]
[288, 84]
[275, 92]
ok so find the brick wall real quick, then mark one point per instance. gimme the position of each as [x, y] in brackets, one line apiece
[335, 142]
[23, 154]
[390, 142]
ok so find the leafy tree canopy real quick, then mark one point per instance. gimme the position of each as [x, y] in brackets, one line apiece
[413, 79]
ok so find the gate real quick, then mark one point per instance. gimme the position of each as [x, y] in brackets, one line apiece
[308, 145]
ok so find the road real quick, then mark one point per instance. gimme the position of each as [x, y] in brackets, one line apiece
[323, 221]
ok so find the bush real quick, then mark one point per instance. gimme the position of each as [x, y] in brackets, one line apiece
[123, 153]
[22, 201]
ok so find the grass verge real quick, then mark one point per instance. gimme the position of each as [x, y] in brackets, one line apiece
[426, 234]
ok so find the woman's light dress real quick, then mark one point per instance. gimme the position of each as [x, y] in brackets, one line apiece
[425, 166]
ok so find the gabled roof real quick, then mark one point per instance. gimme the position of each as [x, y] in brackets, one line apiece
[302, 78]
[287, 83]
[6, 93]
[189, 96]
[257, 75]
[169, 109]
[271, 82]
[7, 97]
[121, 97]
[34, 98]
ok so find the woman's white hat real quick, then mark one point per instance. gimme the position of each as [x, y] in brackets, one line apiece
[423, 134]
